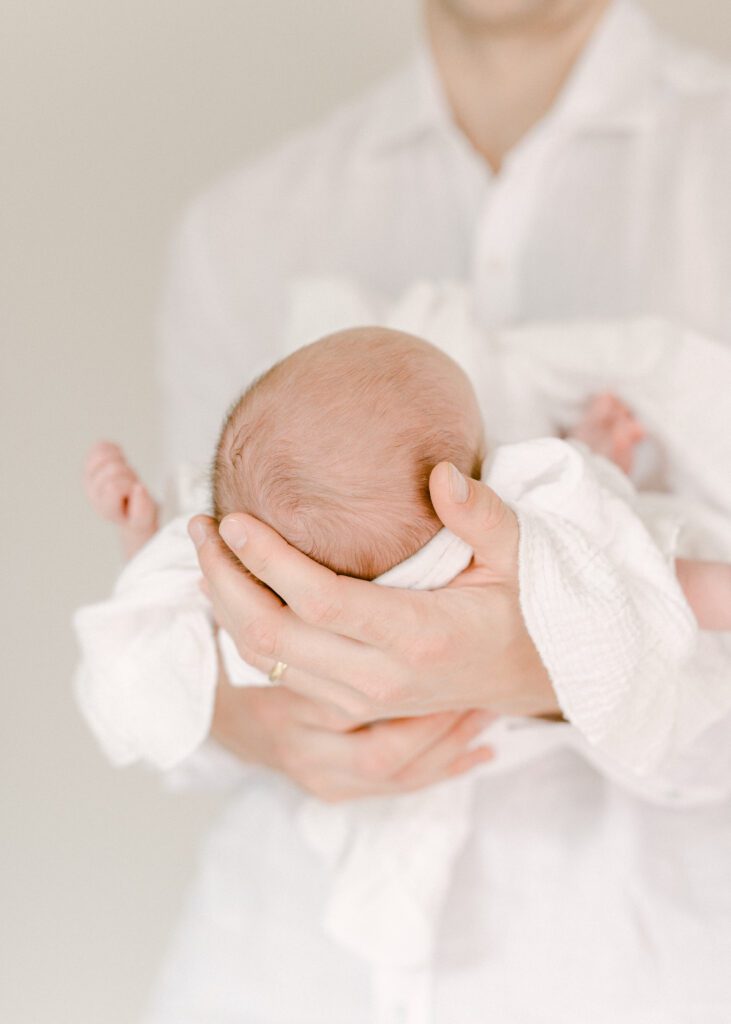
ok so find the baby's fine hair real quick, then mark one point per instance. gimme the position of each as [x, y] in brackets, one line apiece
[333, 447]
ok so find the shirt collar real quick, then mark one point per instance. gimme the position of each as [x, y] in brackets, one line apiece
[609, 88]
[612, 84]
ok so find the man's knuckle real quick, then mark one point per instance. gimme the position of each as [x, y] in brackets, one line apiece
[429, 649]
[322, 607]
[494, 514]
[260, 637]
[380, 630]
[360, 707]
[415, 657]
[263, 563]
[437, 646]
[323, 611]
[387, 695]
[252, 657]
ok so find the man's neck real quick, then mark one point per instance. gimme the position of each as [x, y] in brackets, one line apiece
[500, 80]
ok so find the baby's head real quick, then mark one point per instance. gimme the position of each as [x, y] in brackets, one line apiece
[334, 445]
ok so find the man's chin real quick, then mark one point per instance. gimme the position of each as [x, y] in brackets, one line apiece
[504, 15]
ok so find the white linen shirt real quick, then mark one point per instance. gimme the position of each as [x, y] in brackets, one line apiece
[574, 899]
[617, 204]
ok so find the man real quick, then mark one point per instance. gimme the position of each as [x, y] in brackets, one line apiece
[568, 162]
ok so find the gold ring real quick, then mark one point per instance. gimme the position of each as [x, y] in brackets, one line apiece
[277, 672]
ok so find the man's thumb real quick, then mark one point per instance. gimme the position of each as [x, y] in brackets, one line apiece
[474, 512]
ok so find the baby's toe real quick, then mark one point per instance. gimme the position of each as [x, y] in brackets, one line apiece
[111, 492]
[604, 407]
[102, 465]
[141, 509]
[100, 453]
[625, 440]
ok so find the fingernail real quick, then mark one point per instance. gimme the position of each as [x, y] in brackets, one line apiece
[197, 533]
[459, 489]
[233, 533]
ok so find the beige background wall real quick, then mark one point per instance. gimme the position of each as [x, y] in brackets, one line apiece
[114, 113]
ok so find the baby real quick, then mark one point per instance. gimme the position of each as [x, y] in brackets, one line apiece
[333, 448]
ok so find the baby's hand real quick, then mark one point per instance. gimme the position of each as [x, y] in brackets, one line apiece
[118, 495]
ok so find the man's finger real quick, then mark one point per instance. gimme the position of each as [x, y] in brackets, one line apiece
[474, 512]
[438, 760]
[339, 604]
[265, 631]
[383, 750]
[342, 767]
[322, 715]
[347, 701]
[469, 760]
[234, 596]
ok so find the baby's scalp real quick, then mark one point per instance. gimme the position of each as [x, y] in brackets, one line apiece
[334, 445]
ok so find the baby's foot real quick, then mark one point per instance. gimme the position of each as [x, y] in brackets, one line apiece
[118, 495]
[610, 429]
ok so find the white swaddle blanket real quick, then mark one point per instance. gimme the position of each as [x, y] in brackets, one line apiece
[147, 679]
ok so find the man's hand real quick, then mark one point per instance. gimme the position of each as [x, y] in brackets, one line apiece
[324, 753]
[375, 652]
